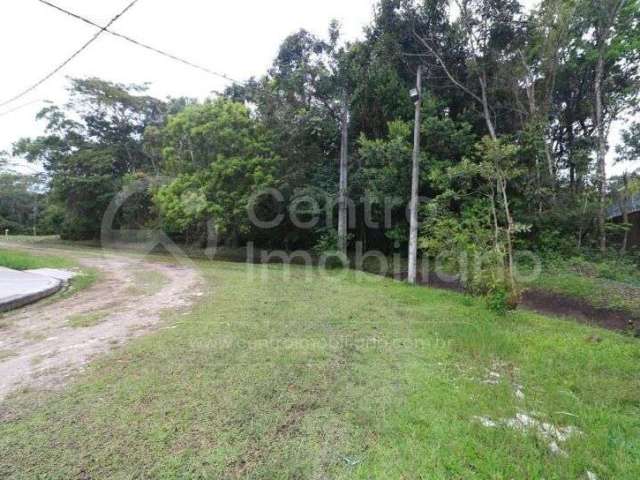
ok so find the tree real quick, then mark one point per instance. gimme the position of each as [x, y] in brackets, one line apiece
[220, 157]
[386, 176]
[386, 164]
[547, 38]
[21, 202]
[524, 80]
[195, 137]
[221, 194]
[482, 235]
[490, 33]
[609, 33]
[90, 145]
[326, 65]
[304, 102]
[629, 149]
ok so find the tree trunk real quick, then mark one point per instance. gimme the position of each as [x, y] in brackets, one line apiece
[601, 154]
[510, 227]
[415, 178]
[581, 229]
[535, 116]
[344, 170]
[494, 217]
[549, 157]
[485, 107]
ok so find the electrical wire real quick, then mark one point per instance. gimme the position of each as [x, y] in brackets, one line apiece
[68, 60]
[141, 44]
[20, 107]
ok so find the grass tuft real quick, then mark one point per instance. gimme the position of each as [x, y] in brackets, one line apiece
[86, 320]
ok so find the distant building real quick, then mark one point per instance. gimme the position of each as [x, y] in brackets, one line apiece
[614, 213]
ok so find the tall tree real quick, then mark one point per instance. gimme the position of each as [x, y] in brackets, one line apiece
[220, 156]
[610, 34]
[90, 146]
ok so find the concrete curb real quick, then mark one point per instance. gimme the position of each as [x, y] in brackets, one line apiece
[22, 300]
[20, 288]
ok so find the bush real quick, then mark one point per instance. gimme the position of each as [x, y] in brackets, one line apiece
[501, 300]
[328, 242]
[497, 301]
[614, 268]
[465, 245]
[335, 260]
[327, 248]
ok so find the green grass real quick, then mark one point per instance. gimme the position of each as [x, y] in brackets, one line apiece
[86, 278]
[19, 260]
[335, 376]
[87, 319]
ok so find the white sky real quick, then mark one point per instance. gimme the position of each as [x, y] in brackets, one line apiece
[239, 38]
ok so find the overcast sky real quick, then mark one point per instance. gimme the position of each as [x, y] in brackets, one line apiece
[239, 38]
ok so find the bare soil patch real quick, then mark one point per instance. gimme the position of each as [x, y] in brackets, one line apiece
[553, 303]
[550, 303]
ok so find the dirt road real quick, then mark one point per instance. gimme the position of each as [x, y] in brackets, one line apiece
[42, 345]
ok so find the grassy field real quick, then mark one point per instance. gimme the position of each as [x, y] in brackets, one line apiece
[338, 376]
[612, 284]
[19, 260]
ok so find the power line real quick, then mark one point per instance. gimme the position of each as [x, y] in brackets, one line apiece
[68, 60]
[141, 44]
[20, 107]
[128, 39]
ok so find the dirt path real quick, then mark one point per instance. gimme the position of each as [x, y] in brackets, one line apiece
[43, 344]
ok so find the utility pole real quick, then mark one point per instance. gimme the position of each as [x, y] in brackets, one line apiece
[415, 178]
[344, 171]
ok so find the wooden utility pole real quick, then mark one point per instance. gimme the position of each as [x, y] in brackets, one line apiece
[344, 171]
[415, 178]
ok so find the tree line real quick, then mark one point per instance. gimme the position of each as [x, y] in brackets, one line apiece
[516, 111]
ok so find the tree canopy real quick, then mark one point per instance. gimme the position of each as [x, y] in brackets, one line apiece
[516, 111]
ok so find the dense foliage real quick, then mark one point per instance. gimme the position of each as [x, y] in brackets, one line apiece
[516, 112]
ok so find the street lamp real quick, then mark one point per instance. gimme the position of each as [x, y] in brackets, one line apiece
[415, 95]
